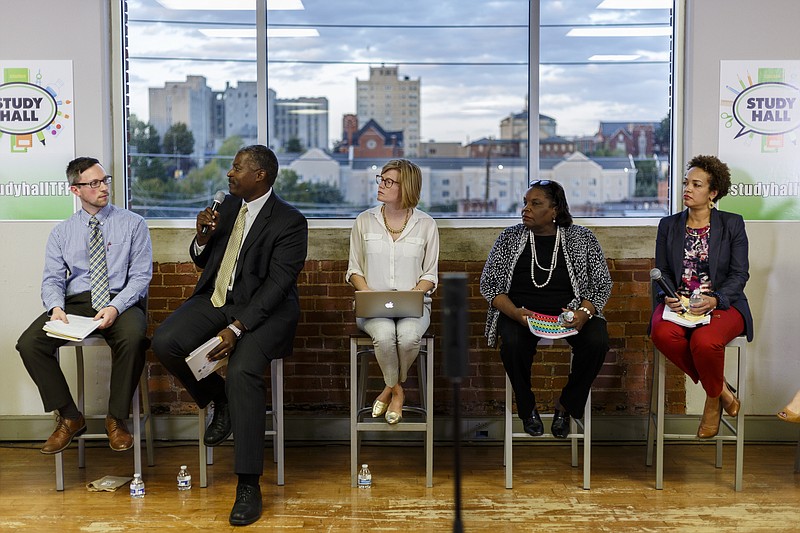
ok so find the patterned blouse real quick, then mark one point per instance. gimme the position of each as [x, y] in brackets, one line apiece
[588, 270]
[696, 270]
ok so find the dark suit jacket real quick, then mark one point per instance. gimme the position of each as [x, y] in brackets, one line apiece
[727, 255]
[265, 296]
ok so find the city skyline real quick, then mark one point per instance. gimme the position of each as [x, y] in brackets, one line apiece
[472, 64]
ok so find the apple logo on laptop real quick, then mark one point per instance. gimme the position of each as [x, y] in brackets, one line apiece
[389, 305]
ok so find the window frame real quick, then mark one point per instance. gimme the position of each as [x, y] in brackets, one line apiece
[119, 69]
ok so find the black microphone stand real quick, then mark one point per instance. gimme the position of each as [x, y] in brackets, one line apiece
[455, 366]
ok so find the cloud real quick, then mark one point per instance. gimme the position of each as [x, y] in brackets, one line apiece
[471, 58]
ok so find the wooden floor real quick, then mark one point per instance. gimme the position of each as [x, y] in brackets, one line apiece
[547, 494]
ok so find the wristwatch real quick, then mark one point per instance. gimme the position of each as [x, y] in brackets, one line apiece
[236, 331]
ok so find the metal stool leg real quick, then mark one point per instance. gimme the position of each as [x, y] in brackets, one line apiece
[204, 458]
[354, 408]
[427, 404]
[660, 408]
[81, 403]
[148, 420]
[508, 440]
[277, 418]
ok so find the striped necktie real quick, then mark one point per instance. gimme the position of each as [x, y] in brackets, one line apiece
[229, 260]
[98, 271]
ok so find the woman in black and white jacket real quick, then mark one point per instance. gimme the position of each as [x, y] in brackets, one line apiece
[547, 265]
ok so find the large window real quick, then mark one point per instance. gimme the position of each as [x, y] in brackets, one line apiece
[351, 84]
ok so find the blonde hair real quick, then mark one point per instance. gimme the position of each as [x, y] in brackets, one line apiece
[410, 181]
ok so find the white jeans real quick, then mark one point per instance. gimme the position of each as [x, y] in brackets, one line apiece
[396, 342]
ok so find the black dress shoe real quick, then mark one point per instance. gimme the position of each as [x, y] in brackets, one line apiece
[219, 428]
[247, 508]
[533, 426]
[560, 427]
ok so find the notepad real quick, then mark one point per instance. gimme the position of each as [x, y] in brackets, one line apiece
[547, 327]
[79, 327]
[198, 360]
[686, 320]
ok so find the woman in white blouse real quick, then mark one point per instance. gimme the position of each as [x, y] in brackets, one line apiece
[395, 246]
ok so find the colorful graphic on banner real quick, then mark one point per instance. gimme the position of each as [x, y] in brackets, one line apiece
[758, 137]
[37, 139]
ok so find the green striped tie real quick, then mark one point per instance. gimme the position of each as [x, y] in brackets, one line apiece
[229, 260]
[98, 271]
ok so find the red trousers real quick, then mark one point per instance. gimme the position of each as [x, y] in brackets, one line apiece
[700, 351]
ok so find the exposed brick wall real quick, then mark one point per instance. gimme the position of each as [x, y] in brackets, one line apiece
[317, 375]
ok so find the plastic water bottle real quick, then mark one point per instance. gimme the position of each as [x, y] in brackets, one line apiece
[364, 477]
[565, 318]
[184, 479]
[695, 299]
[137, 486]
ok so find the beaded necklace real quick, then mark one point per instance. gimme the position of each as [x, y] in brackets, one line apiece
[386, 222]
[553, 260]
[698, 232]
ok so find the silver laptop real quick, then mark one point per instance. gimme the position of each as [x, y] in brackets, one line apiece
[389, 304]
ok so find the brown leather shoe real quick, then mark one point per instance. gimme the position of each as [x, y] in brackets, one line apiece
[118, 437]
[66, 430]
[709, 423]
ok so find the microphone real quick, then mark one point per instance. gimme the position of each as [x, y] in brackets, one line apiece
[219, 197]
[655, 275]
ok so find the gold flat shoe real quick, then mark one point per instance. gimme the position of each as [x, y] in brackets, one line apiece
[393, 418]
[789, 416]
[378, 408]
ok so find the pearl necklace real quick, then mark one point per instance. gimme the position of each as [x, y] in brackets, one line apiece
[553, 260]
[386, 222]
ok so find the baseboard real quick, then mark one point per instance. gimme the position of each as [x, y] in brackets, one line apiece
[303, 428]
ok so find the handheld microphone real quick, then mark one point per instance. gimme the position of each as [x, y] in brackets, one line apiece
[219, 197]
[655, 275]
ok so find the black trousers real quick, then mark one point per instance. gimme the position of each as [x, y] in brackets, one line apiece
[192, 324]
[518, 346]
[128, 343]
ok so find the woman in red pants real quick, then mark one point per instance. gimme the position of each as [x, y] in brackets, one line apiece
[704, 248]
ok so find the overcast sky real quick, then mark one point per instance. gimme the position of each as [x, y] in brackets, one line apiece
[471, 58]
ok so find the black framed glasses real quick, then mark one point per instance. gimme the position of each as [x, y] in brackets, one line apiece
[94, 184]
[387, 182]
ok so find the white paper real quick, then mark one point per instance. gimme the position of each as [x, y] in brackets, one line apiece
[77, 329]
[198, 359]
[685, 319]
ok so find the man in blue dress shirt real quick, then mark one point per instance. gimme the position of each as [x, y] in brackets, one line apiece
[111, 288]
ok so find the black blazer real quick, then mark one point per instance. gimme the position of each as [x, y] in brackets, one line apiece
[265, 295]
[727, 255]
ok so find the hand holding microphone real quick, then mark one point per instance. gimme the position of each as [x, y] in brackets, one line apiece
[655, 275]
[219, 197]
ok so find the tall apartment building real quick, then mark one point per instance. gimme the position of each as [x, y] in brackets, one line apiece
[304, 118]
[241, 111]
[393, 102]
[190, 102]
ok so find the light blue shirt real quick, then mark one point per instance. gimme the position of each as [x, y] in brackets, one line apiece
[129, 258]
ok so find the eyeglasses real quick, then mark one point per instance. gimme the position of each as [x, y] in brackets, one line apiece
[539, 182]
[387, 182]
[94, 184]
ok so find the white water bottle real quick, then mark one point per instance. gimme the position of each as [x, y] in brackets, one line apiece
[565, 318]
[137, 486]
[695, 299]
[364, 477]
[184, 479]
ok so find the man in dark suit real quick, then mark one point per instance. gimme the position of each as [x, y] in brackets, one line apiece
[251, 251]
